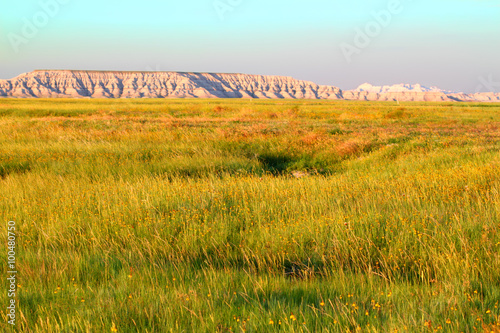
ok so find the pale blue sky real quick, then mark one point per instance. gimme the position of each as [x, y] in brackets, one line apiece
[447, 43]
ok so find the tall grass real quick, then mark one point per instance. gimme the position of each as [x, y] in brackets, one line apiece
[263, 216]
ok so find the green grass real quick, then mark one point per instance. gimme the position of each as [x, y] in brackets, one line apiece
[255, 216]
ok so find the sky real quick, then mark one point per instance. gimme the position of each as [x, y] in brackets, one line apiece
[452, 44]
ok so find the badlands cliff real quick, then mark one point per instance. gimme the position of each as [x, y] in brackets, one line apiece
[161, 85]
[109, 84]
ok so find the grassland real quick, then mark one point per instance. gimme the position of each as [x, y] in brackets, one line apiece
[252, 216]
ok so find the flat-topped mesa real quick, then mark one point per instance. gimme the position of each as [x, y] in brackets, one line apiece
[113, 84]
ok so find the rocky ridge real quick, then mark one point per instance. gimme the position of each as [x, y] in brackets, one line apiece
[96, 84]
[110, 84]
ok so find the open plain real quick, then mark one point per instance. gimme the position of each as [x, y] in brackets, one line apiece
[175, 215]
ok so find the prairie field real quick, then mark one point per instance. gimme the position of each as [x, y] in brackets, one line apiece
[251, 215]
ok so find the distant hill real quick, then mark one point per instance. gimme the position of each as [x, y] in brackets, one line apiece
[400, 88]
[115, 84]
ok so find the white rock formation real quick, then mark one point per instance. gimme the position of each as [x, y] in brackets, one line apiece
[109, 84]
[161, 85]
[408, 96]
[397, 88]
[414, 92]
